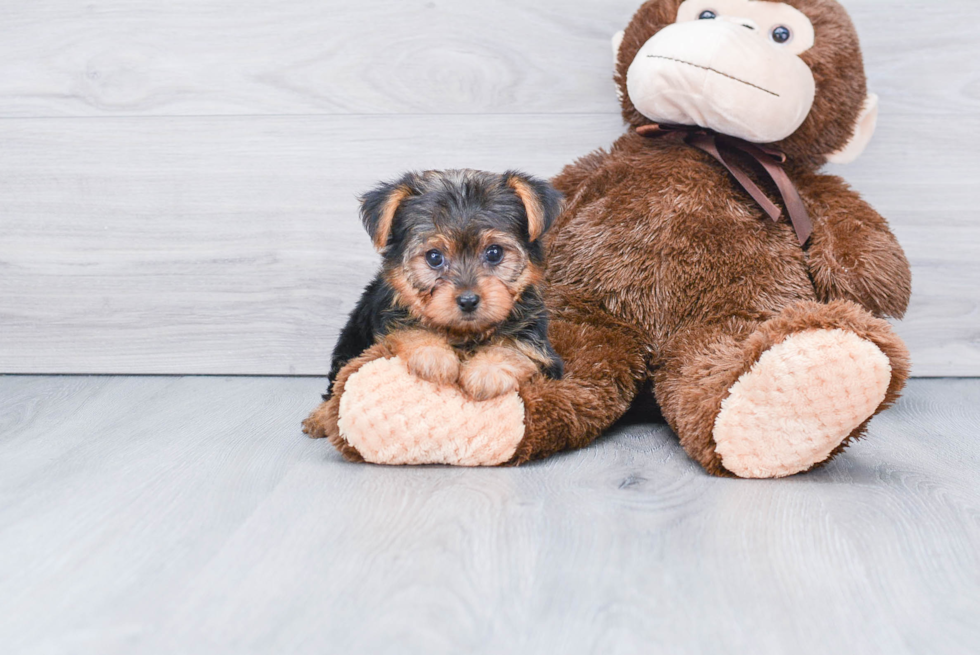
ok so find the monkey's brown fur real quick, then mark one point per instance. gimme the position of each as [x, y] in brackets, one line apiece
[663, 269]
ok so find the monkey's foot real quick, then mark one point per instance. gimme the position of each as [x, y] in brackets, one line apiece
[800, 401]
[390, 416]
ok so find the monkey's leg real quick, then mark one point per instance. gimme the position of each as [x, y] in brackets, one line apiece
[604, 365]
[322, 423]
[784, 397]
[382, 414]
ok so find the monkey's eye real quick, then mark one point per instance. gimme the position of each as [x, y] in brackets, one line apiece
[494, 255]
[434, 259]
[707, 14]
[781, 34]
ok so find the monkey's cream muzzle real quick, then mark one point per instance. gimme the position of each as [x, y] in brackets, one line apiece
[722, 75]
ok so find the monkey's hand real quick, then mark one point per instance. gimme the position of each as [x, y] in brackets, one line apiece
[852, 254]
[427, 356]
[494, 371]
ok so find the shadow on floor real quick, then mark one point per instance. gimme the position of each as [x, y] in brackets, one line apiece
[644, 409]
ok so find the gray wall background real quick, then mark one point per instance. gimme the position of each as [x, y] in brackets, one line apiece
[178, 179]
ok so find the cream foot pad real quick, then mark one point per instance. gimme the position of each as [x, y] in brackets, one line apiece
[799, 402]
[392, 417]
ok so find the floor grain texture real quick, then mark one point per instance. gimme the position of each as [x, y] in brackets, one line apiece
[189, 515]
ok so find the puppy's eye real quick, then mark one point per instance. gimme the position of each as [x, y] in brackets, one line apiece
[707, 14]
[494, 254]
[781, 34]
[434, 259]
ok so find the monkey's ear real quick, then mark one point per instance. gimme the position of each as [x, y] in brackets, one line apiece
[865, 129]
[542, 203]
[617, 41]
[378, 207]
[617, 44]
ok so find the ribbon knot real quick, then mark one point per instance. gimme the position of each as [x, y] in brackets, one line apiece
[770, 159]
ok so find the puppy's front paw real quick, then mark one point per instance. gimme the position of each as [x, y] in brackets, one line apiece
[482, 379]
[435, 363]
[495, 371]
[426, 355]
[322, 423]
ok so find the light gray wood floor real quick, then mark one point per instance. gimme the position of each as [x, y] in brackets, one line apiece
[189, 515]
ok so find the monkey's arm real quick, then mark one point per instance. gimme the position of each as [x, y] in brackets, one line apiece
[573, 176]
[853, 255]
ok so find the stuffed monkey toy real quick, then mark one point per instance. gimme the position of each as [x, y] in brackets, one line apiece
[704, 253]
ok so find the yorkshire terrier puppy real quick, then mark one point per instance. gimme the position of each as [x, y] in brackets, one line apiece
[458, 296]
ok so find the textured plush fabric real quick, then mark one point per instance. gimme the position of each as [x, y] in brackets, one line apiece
[798, 402]
[392, 417]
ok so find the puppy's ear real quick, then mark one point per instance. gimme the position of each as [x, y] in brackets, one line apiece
[542, 202]
[379, 206]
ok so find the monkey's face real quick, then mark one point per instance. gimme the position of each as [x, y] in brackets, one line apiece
[733, 66]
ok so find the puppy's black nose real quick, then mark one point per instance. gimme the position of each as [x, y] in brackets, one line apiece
[468, 302]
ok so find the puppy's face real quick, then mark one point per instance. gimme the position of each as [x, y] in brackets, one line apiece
[462, 246]
[463, 280]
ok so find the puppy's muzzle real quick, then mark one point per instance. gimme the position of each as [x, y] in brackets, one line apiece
[468, 302]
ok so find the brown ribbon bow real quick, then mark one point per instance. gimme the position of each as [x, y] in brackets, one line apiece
[771, 160]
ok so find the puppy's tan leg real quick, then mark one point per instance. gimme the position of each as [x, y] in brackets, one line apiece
[426, 355]
[494, 371]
